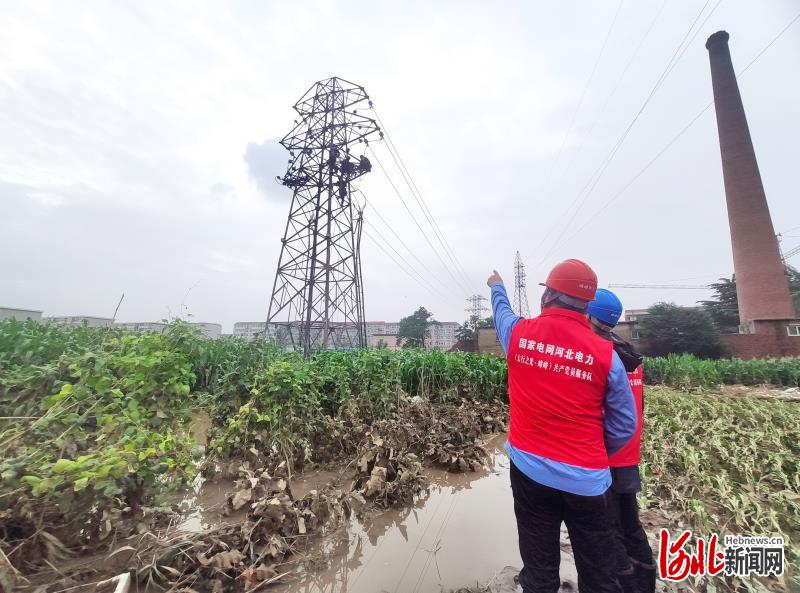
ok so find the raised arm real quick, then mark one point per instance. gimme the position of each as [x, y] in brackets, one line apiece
[504, 317]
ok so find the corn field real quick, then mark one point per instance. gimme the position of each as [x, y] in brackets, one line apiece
[723, 464]
[687, 372]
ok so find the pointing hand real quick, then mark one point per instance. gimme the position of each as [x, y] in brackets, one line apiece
[494, 279]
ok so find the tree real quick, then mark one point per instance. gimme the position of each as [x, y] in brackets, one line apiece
[668, 328]
[724, 307]
[794, 287]
[415, 329]
[467, 330]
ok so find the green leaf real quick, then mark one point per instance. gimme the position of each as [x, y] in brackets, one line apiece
[81, 484]
[63, 466]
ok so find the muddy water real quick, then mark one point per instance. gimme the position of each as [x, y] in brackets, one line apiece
[461, 533]
[204, 506]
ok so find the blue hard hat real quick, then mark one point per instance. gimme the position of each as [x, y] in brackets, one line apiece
[606, 307]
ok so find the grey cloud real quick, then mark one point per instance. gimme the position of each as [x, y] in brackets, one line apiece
[265, 162]
[73, 250]
[220, 189]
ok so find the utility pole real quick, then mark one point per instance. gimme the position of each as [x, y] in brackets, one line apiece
[318, 293]
[476, 306]
[521, 307]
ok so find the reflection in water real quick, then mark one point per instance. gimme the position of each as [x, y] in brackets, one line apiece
[460, 532]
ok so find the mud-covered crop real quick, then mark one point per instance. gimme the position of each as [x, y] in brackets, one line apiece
[724, 464]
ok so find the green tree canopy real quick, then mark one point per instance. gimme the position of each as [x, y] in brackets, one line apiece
[668, 328]
[468, 329]
[724, 306]
[794, 287]
[415, 329]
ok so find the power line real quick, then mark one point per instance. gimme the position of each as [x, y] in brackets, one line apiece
[418, 279]
[575, 114]
[633, 57]
[406, 174]
[405, 261]
[675, 138]
[639, 174]
[668, 286]
[594, 179]
[398, 237]
[766, 47]
[405, 266]
[437, 232]
[696, 33]
[791, 253]
[414, 218]
[715, 276]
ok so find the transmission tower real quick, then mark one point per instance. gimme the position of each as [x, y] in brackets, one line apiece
[521, 307]
[318, 295]
[476, 306]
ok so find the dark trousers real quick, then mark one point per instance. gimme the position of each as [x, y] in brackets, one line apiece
[631, 539]
[540, 510]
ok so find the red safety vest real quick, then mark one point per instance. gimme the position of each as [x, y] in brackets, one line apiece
[630, 454]
[557, 375]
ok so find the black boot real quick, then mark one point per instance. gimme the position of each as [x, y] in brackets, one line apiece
[645, 575]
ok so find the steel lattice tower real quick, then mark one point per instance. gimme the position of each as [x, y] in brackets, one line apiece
[521, 307]
[318, 295]
[476, 306]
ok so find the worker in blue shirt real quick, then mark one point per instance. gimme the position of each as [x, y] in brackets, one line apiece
[571, 407]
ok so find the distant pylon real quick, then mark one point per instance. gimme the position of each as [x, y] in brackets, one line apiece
[476, 306]
[521, 307]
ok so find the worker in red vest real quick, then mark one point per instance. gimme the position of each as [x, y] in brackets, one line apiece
[637, 571]
[571, 406]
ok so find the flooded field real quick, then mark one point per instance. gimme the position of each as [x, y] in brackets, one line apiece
[460, 532]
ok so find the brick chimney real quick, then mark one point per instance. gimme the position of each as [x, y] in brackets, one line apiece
[761, 282]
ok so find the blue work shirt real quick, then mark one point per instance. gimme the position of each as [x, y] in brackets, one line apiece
[619, 419]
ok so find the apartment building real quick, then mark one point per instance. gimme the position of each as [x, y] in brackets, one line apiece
[442, 334]
[249, 329]
[81, 320]
[142, 326]
[19, 314]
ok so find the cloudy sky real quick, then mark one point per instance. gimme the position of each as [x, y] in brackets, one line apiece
[138, 145]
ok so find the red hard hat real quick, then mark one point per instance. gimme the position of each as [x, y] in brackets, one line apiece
[573, 277]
